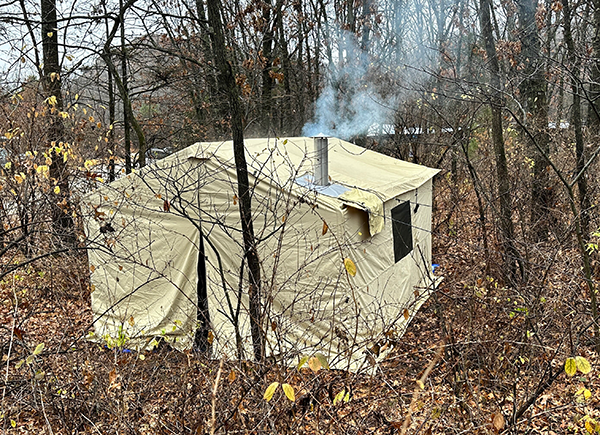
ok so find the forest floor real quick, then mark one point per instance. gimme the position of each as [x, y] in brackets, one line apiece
[480, 357]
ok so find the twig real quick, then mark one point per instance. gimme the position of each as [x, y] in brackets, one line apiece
[418, 388]
[92, 423]
[10, 344]
[213, 420]
[44, 412]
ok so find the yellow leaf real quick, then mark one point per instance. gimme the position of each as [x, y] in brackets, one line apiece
[56, 190]
[13, 423]
[270, 391]
[583, 365]
[50, 35]
[325, 228]
[350, 266]
[589, 426]
[44, 170]
[142, 356]
[7, 165]
[131, 321]
[585, 392]
[302, 362]
[92, 268]
[570, 366]
[339, 397]
[18, 178]
[314, 364]
[99, 125]
[289, 392]
[39, 348]
[211, 337]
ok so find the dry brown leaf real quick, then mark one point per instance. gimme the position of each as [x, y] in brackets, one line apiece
[498, 421]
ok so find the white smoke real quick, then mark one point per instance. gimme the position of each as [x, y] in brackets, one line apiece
[350, 103]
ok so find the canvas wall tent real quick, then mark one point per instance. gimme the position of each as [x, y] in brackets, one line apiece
[145, 230]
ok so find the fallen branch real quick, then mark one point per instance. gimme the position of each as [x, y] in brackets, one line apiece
[421, 386]
[213, 420]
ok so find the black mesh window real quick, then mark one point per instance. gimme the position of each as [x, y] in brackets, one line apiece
[402, 230]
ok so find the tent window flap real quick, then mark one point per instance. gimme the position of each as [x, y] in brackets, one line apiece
[402, 231]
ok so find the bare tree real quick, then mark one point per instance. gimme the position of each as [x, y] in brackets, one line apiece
[230, 90]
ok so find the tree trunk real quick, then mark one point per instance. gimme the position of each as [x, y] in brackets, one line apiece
[267, 80]
[111, 104]
[594, 109]
[509, 250]
[582, 221]
[125, 91]
[288, 120]
[201, 340]
[122, 84]
[63, 224]
[229, 87]
[576, 87]
[534, 90]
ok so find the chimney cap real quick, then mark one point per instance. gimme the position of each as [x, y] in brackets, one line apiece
[320, 135]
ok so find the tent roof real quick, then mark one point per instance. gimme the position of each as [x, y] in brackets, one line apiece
[349, 165]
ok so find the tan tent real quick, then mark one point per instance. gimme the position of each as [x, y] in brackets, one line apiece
[373, 216]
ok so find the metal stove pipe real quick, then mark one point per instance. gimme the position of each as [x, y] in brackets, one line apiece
[321, 161]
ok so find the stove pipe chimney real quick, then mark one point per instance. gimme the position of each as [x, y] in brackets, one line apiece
[321, 163]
